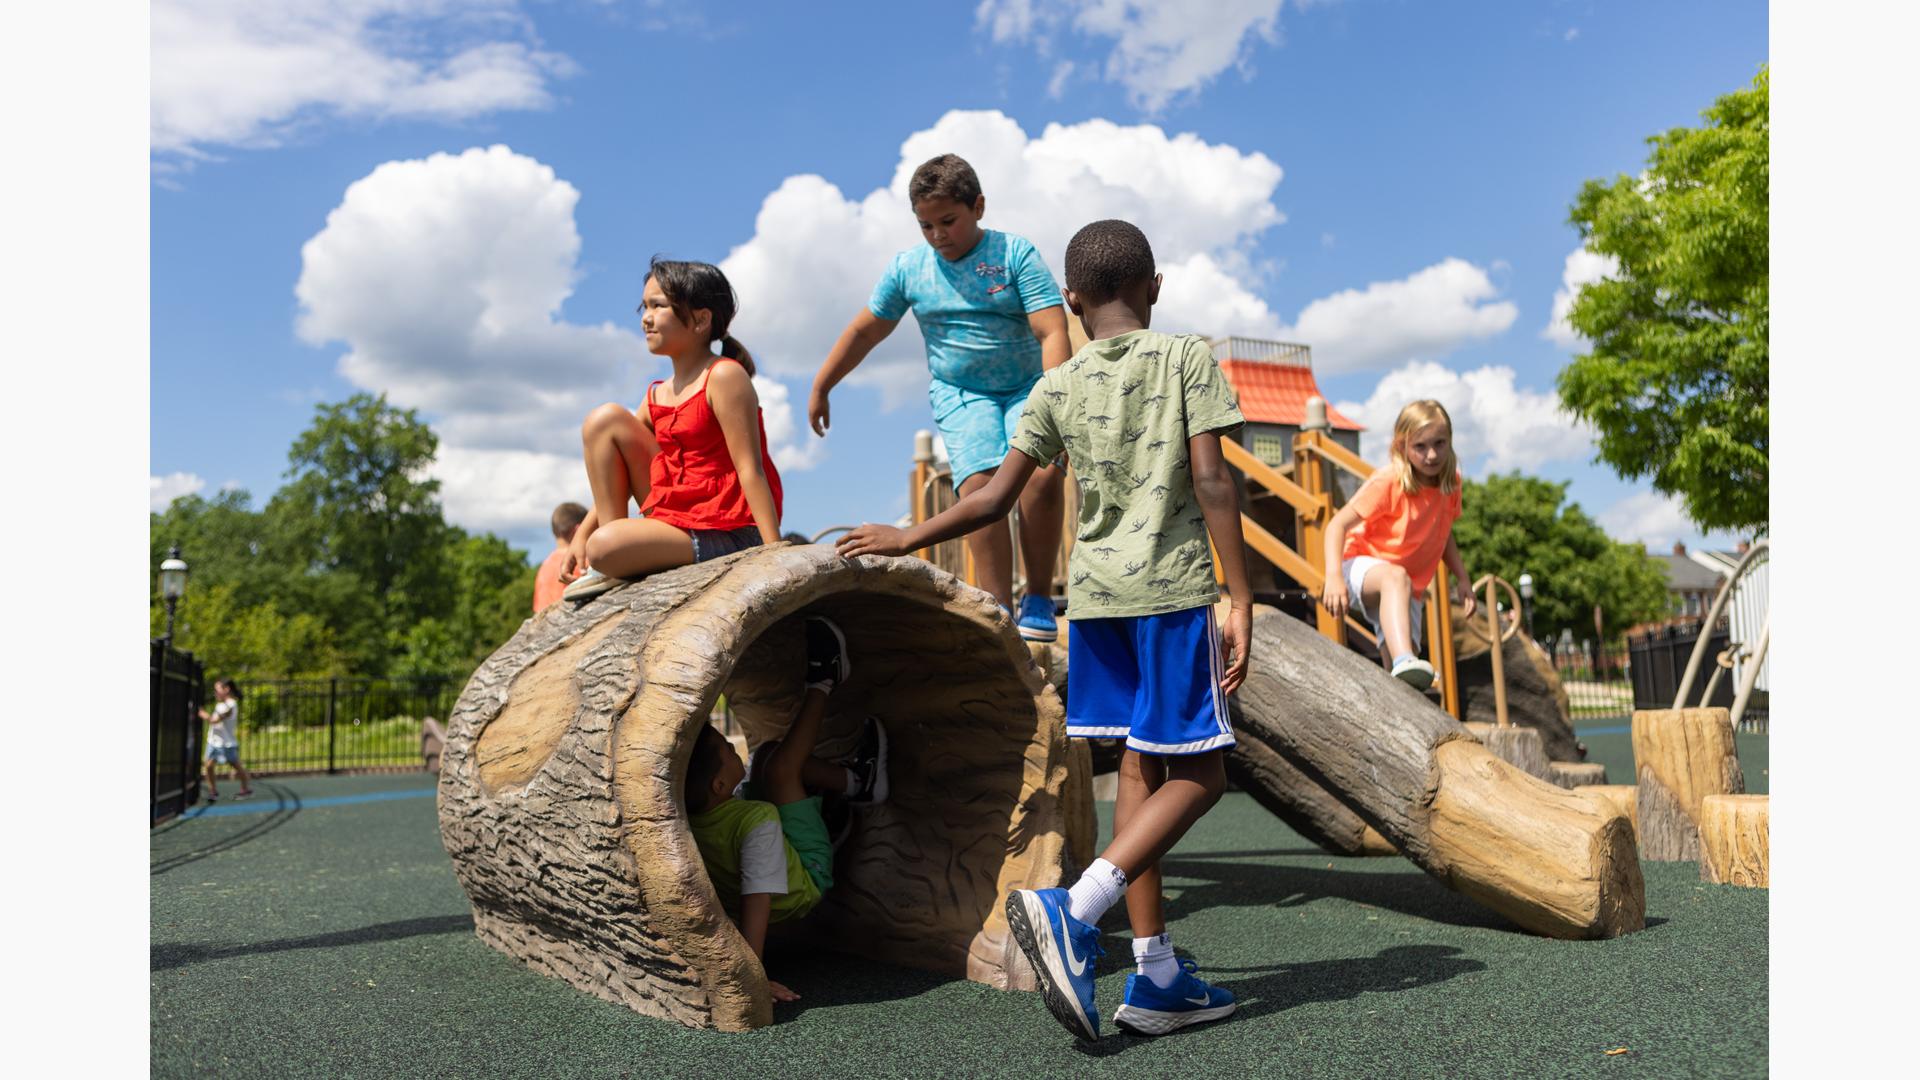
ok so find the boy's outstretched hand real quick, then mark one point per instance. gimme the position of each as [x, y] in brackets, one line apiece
[872, 539]
[1236, 641]
[781, 993]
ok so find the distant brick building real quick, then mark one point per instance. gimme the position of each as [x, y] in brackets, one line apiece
[1274, 379]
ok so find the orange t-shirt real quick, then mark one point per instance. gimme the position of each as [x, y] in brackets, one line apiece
[546, 581]
[1409, 531]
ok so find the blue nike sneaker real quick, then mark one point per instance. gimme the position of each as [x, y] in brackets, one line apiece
[1036, 622]
[1062, 950]
[1149, 1010]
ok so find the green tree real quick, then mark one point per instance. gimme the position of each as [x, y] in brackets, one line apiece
[1676, 384]
[350, 569]
[1513, 524]
[238, 640]
[362, 512]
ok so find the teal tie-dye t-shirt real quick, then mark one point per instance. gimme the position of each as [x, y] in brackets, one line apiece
[973, 311]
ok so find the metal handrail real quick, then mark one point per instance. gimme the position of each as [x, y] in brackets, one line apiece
[1747, 562]
[1496, 638]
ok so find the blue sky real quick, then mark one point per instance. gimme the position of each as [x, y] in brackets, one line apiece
[1386, 181]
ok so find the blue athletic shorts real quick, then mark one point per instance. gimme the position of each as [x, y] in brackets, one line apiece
[976, 427]
[1153, 680]
[223, 755]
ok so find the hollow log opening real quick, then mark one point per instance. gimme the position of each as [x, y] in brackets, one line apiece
[562, 785]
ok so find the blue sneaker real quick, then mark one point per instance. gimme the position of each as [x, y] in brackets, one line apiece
[1036, 619]
[1062, 950]
[1149, 1010]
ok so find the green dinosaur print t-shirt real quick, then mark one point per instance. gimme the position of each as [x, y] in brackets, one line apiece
[1123, 409]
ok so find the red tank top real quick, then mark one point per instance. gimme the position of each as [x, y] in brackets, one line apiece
[694, 485]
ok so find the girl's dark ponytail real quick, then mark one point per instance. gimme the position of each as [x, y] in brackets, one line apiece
[693, 285]
[731, 348]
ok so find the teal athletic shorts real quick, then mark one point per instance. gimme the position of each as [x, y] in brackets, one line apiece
[976, 427]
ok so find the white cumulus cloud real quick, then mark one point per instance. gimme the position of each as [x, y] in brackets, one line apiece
[162, 490]
[1422, 316]
[816, 251]
[246, 73]
[1583, 267]
[1498, 426]
[1159, 51]
[445, 278]
[1657, 520]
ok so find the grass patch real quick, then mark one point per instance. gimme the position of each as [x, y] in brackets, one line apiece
[356, 744]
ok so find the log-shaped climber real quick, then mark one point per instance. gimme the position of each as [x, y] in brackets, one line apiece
[562, 784]
[1550, 860]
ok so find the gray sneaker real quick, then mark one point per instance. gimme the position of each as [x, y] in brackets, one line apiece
[1414, 672]
[589, 585]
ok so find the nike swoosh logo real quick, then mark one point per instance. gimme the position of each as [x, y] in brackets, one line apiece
[1074, 963]
[1201, 1000]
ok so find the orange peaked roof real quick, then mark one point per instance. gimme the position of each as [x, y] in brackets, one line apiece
[1274, 381]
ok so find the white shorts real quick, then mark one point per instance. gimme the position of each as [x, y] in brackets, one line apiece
[1354, 570]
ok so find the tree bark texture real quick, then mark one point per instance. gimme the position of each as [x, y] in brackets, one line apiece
[561, 786]
[1535, 697]
[1680, 757]
[1733, 840]
[1520, 747]
[1296, 798]
[1575, 774]
[1543, 856]
[1624, 798]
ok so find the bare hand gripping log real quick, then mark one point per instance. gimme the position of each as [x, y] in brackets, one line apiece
[560, 788]
[1545, 857]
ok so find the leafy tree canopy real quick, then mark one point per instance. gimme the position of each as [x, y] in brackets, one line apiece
[349, 569]
[1676, 384]
[1513, 524]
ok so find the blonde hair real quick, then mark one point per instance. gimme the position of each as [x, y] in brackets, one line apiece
[1415, 416]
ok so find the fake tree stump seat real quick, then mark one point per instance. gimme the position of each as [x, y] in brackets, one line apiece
[562, 782]
[1551, 860]
[1680, 757]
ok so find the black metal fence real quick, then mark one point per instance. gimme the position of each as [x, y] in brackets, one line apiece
[1659, 656]
[178, 684]
[1610, 682]
[338, 724]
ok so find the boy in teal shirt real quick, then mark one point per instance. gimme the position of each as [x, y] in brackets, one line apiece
[762, 837]
[993, 321]
[1142, 413]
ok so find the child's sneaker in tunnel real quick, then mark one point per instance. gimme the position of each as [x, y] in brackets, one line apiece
[1062, 950]
[1036, 622]
[1149, 1010]
[869, 763]
[827, 662]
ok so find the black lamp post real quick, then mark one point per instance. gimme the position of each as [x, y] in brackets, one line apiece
[173, 583]
[1526, 603]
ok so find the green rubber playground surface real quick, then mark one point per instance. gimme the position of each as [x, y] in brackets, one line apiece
[318, 931]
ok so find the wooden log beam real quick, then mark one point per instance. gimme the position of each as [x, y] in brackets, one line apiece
[1680, 757]
[1733, 840]
[1623, 798]
[1550, 860]
[561, 782]
[1297, 799]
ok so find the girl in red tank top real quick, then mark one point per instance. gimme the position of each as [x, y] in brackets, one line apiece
[694, 457]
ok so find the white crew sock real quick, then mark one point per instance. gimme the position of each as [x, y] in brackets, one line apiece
[1098, 889]
[1402, 658]
[1154, 956]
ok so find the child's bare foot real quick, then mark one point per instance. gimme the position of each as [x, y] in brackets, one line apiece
[781, 993]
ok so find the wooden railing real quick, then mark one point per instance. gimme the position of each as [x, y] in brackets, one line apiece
[1309, 491]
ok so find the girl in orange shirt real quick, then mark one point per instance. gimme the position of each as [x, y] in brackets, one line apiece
[1382, 547]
